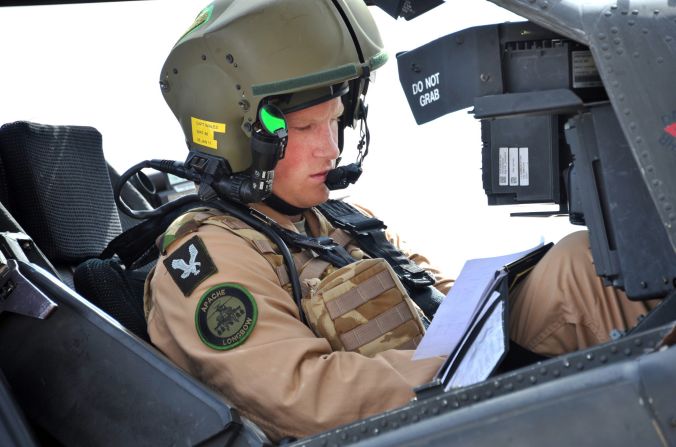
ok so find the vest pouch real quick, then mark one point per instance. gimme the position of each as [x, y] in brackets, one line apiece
[364, 308]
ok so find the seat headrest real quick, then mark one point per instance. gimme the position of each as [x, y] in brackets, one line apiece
[59, 189]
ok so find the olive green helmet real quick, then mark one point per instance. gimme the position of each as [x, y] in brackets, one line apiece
[239, 54]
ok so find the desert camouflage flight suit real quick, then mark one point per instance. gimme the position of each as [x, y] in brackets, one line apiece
[218, 304]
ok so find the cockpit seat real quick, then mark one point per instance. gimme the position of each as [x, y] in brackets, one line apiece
[59, 190]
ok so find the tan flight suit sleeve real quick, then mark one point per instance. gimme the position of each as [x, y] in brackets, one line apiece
[282, 377]
[563, 306]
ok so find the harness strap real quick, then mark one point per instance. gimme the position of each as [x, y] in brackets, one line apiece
[370, 236]
[369, 233]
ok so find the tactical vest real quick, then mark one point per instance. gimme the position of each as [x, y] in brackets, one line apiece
[362, 307]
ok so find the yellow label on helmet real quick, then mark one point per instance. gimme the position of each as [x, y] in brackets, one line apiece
[203, 132]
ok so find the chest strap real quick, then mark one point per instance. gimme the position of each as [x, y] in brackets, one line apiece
[369, 234]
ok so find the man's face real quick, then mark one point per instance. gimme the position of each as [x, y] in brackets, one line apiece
[310, 154]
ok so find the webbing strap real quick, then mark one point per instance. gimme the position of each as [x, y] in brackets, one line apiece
[380, 325]
[364, 292]
[370, 236]
[325, 248]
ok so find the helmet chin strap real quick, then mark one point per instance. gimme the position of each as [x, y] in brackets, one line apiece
[278, 204]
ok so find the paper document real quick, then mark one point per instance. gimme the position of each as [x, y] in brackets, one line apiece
[452, 320]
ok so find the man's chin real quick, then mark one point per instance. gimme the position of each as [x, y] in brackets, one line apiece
[315, 197]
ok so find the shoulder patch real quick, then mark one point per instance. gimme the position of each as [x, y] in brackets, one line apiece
[225, 316]
[189, 265]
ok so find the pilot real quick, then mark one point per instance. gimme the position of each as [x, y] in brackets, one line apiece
[220, 301]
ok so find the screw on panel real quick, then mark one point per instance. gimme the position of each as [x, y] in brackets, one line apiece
[543, 371]
[668, 38]
[631, 22]
[484, 77]
[444, 403]
[605, 47]
[672, 422]
[603, 359]
[229, 58]
[556, 373]
[204, 57]
[602, 36]
[613, 349]
[638, 342]
[579, 366]
[533, 379]
[545, 5]
[590, 357]
[617, 41]
[164, 85]
[636, 55]
[635, 12]
[243, 104]
[657, 11]
[613, 7]
[660, 60]
[608, 13]
[614, 30]
[639, 140]
[247, 127]
[175, 70]
[415, 68]
[627, 352]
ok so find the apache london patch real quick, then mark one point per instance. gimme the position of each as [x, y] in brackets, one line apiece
[190, 265]
[225, 316]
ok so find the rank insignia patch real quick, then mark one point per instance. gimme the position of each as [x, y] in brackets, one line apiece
[190, 265]
[225, 316]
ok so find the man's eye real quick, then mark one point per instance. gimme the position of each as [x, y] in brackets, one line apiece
[302, 128]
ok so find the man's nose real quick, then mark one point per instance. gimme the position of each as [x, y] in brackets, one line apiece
[327, 144]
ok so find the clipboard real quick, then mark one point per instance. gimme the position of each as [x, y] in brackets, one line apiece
[486, 340]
